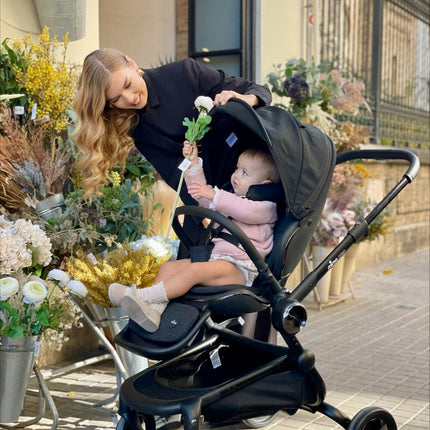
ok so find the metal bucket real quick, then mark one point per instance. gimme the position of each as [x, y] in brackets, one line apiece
[116, 320]
[51, 207]
[16, 364]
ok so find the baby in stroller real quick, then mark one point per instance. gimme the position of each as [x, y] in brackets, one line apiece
[227, 264]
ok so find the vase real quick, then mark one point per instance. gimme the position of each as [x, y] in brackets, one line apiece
[116, 320]
[16, 364]
[319, 253]
[349, 265]
[62, 16]
[51, 207]
[337, 278]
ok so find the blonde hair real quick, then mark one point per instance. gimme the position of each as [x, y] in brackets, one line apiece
[102, 133]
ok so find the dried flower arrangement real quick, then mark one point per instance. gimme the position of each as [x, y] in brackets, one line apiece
[35, 155]
[132, 263]
[345, 205]
[33, 167]
[47, 77]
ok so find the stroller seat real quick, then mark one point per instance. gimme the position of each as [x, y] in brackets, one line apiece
[208, 370]
[183, 319]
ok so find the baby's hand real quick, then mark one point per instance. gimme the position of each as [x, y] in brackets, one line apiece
[189, 151]
[199, 190]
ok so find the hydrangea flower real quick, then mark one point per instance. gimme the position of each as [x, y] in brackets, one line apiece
[296, 87]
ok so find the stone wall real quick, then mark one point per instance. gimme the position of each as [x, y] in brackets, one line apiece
[411, 210]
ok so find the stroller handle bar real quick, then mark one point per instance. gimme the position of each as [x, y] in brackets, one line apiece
[384, 154]
[361, 227]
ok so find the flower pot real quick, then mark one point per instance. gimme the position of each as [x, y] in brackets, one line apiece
[337, 278]
[51, 207]
[62, 16]
[116, 320]
[16, 364]
[319, 253]
[349, 265]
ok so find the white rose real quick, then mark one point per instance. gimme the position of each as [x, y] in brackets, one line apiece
[8, 287]
[203, 104]
[60, 276]
[34, 292]
[78, 288]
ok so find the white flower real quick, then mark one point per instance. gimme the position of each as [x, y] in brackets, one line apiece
[19, 239]
[14, 254]
[158, 246]
[60, 276]
[203, 104]
[8, 287]
[34, 292]
[78, 288]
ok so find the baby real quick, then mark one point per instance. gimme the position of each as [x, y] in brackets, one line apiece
[227, 263]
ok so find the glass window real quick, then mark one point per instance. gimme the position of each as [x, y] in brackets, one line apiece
[217, 25]
[229, 63]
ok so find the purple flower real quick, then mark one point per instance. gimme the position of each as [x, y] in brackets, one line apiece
[296, 87]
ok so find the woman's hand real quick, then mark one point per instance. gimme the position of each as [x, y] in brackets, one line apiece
[199, 190]
[225, 95]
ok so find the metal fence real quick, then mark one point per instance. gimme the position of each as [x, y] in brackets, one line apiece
[385, 43]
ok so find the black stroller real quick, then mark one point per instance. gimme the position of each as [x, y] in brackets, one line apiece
[208, 371]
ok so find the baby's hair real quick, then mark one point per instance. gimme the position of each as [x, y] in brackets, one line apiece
[266, 158]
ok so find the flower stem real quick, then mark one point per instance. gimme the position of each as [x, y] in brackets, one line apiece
[181, 180]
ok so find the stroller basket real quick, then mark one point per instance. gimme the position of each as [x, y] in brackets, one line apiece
[212, 371]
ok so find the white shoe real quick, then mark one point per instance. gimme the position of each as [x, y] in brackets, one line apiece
[116, 292]
[147, 315]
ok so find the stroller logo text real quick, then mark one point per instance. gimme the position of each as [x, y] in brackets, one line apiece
[332, 263]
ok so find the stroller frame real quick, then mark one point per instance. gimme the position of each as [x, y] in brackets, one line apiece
[221, 375]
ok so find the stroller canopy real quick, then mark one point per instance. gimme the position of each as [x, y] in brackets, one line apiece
[303, 154]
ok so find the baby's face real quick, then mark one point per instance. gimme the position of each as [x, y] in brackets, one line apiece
[249, 171]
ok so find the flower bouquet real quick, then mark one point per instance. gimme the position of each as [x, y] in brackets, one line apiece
[29, 304]
[131, 263]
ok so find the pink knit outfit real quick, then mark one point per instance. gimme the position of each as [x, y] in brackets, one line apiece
[255, 218]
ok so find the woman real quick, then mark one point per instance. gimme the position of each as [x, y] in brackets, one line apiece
[119, 105]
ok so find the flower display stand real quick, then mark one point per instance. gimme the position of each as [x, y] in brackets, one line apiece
[337, 278]
[322, 294]
[125, 364]
[16, 364]
[116, 320]
[349, 266]
[322, 288]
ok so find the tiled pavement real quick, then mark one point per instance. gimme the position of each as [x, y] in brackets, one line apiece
[372, 349]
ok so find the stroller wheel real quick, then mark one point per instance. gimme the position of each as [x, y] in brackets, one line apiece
[123, 424]
[373, 418]
[258, 422]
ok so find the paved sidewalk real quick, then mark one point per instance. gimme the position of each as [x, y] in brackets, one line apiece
[372, 349]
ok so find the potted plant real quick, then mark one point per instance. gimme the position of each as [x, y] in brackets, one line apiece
[36, 154]
[32, 309]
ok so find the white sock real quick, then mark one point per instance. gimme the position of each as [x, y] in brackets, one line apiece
[153, 294]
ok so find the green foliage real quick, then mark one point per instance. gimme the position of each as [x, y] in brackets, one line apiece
[10, 60]
[196, 129]
[304, 84]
